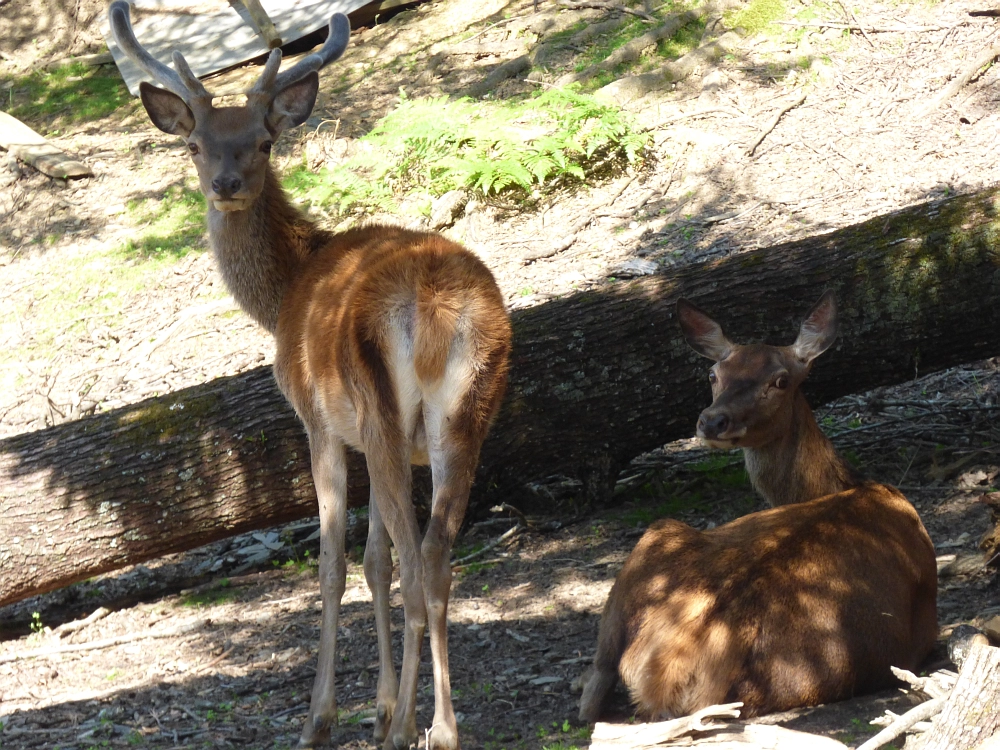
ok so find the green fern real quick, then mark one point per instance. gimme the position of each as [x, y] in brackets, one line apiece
[438, 144]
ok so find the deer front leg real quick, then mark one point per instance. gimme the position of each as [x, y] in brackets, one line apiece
[378, 573]
[329, 469]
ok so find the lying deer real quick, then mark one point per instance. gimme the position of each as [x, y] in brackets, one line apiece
[390, 341]
[807, 602]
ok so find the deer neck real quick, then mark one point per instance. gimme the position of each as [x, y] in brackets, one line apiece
[800, 465]
[261, 249]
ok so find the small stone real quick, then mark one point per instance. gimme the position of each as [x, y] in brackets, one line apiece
[633, 268]
[446, 208]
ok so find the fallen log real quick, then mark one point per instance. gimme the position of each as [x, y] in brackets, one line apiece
[597, 378]
[971, 714]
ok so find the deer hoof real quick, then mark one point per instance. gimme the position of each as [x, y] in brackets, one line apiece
[443, 737]
[383, 718]
[315, 732]
[400, 740]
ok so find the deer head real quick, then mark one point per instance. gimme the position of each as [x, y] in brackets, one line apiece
[754, 386]
[230, 146]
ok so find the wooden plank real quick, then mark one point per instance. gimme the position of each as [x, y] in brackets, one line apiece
[262, 23]
[214, 35]
[30, 147]
[101, 58]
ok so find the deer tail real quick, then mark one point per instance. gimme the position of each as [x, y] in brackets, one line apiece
[437, 318]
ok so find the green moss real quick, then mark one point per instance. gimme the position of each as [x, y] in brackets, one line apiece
[685, 40]
[163, 419]
[757, 16]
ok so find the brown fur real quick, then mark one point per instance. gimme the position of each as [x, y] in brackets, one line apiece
[391, 341]
[797, 605]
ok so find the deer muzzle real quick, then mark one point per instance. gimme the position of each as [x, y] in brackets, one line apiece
[225, 195]
[716, 428]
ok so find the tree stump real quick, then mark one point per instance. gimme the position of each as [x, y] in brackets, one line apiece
[972, 713]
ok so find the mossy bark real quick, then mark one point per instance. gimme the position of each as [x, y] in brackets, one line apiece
[597, 378]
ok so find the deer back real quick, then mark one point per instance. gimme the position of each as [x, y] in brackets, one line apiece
[788, 607]
[385, 318]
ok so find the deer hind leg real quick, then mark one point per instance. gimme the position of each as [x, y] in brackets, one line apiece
[452, 474]
[329, 468]
[378, 573]
[389, 471]
[456, 418]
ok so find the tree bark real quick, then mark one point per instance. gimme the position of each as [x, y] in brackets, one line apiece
[597, 378]
[972, 713]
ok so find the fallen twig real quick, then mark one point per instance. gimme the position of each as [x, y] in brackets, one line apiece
[580, 4]
[897, 29]
[68, 628]
[774, 123]
[655, 733]
[499, 74]
[562, 244]
[919, 713]
[43, 653]
[959, 81]
[936, 685]
[492, 545]
[216, 660]
[697, 113]
[850, 14]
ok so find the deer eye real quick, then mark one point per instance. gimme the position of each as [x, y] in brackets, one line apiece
[193, 148]
[712, 377]
[265, 147]
[781, 382]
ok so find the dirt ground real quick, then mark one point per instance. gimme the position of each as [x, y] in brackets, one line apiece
[216, 646]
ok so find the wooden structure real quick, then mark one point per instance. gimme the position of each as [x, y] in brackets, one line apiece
[193, 27]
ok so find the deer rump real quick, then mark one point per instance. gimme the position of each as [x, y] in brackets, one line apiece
[792, 606]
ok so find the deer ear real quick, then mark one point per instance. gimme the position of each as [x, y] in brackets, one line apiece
[293, 104]
[167, 110]
[818, 330]
[703, 334]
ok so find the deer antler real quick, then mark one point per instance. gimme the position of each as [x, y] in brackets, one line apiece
[183, 82]
[271, 82]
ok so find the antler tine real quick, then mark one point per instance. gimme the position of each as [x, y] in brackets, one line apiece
[186, 86]
[264, 86]
[189, 79]
[333, 47]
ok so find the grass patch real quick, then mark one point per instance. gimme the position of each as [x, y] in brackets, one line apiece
[757, 16]
[173, 225]
[605, 45]
[725, 469]
[645, 512]
[95, 287]
[670, 497]
[685, 40]
[219, 595]
[68, 94]
[426, 147]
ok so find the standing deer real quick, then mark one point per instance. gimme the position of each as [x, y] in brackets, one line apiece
[391, 341]
[807, 602]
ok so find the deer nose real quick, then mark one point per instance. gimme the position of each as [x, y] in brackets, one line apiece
[711, 425]
[226, 186]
